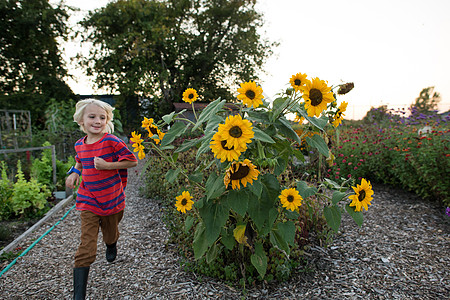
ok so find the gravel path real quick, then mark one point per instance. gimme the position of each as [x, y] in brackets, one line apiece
[401, 252]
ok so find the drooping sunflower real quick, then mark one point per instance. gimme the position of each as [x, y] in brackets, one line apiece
[153, 130]
[147, 122]
[316, 94]
[339, 116]
[190, 95]
[222, 152]
[297, 81]
[250, 94]
[184, 202]
[236, 131]
[240, 172]
[291, 199]
[137, 144]
[299, 119]
[363, 195]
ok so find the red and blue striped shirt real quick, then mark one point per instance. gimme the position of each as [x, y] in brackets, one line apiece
[102, 191]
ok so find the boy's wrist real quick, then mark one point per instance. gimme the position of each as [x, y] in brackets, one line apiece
[74, 170]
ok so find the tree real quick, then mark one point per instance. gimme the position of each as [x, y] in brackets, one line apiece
[154, 50]
[427, 100]
[31, 67]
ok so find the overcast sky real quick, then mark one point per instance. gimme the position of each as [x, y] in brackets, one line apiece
[390, 49]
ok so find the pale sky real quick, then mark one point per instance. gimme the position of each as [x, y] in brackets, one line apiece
[390, 49]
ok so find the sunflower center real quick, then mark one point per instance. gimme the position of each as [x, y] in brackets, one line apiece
[250, 94]
[362, 195]
[240, 173]
[184, 202]
[224, 145]
[236, 132]
[153, 130]
[316, 97]
[191, 96]
[290, 198]
[297, 82]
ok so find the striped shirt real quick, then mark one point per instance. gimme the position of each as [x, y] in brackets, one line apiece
[102, 191]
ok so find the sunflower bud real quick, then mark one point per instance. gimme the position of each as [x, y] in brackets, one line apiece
[345, 88]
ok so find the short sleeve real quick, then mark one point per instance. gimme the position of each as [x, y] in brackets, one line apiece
[123, 153]
[77, 159]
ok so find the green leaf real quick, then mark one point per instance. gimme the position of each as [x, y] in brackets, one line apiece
[285, 127]
[287, 230]
[256, 188]
[168, 118]
[304, 190]
[316, 141]
[196, 177]
[188, 144]
[228, 239]
[208, 112]
[214, 186]
[337, 196]
[317, 122]
[200, 243]
[188, 223]
[260, 135]
[357, 216]
[176, 130]
[259, 260]
[238, 201]
[214, 216]
[205, 146]
[333, 217]
[280, 166]
[279, 104]
[172, 175]
[278, 241]
[212, 253]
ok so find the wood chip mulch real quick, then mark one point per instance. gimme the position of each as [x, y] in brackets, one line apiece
[401, 252]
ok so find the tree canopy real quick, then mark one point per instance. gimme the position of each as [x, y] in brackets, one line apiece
[31, 66]
[155, 50]
[427, 101]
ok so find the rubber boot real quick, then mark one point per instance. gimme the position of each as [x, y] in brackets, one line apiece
[80, 277]
[111, 252]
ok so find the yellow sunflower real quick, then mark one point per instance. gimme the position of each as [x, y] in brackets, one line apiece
[137, 144]
[222, 152]
[147, 122]
[363, 195]
[250, 94]
[297, 81]
[184, 202]
[291, 199]
[316, 94]
[237, 132]
[190, 95]
[152, 130]
[140, 151]
[299, 119]
[339, 116]
[240, 172]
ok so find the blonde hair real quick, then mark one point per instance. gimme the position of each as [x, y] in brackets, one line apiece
[81, 106]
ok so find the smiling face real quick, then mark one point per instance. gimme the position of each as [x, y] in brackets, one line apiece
[94, 120]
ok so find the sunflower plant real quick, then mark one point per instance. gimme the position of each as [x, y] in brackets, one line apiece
[244, 206]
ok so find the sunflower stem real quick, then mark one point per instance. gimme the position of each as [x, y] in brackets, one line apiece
[193, 110]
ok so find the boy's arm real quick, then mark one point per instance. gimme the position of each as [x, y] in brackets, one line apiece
[74, 179]
[101, 164]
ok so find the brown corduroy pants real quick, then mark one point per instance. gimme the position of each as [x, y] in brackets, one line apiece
[90, 224]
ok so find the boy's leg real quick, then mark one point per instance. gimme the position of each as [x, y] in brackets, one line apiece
[110, 230]
[86, 253]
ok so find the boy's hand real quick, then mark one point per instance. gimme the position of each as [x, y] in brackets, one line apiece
[100, 163]
[72, 180]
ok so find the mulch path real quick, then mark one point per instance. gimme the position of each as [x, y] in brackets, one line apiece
[402, 251]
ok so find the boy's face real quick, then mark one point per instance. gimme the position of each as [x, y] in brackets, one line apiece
[94, 120]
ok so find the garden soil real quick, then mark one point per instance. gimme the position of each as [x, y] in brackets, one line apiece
[402, 251]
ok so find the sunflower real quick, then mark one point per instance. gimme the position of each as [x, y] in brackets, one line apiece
[299, 119]
[316, 94]
[250, 94]
[147, 122]
[237, 132]
[240, 172]
[363, 195]
[297, 81]
[222, 152]
[184, 202]
[153, 130]
[339, 116]
[190, 95]
[291, 199]
[137, 144]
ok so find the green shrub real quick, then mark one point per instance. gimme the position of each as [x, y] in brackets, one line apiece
[6, 193]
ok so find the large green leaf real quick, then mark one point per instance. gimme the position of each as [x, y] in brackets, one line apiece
[259, 260]
[260, 135]
[256, 188]
[212, 253]
[209, 111]
[316, 141]
[228, 239]
[188, 223]
[200, 243]
[205, 146]
[304, 190]
[333, 217]
[188, 144]
[172, 175]
[176, 130]
[317, 122]
[168, 118]
[238, 201]
[337, 196]
[287, 230]
[279, 104]
[214, 186]
[357, 216]
[286, 128]
[214, 215]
